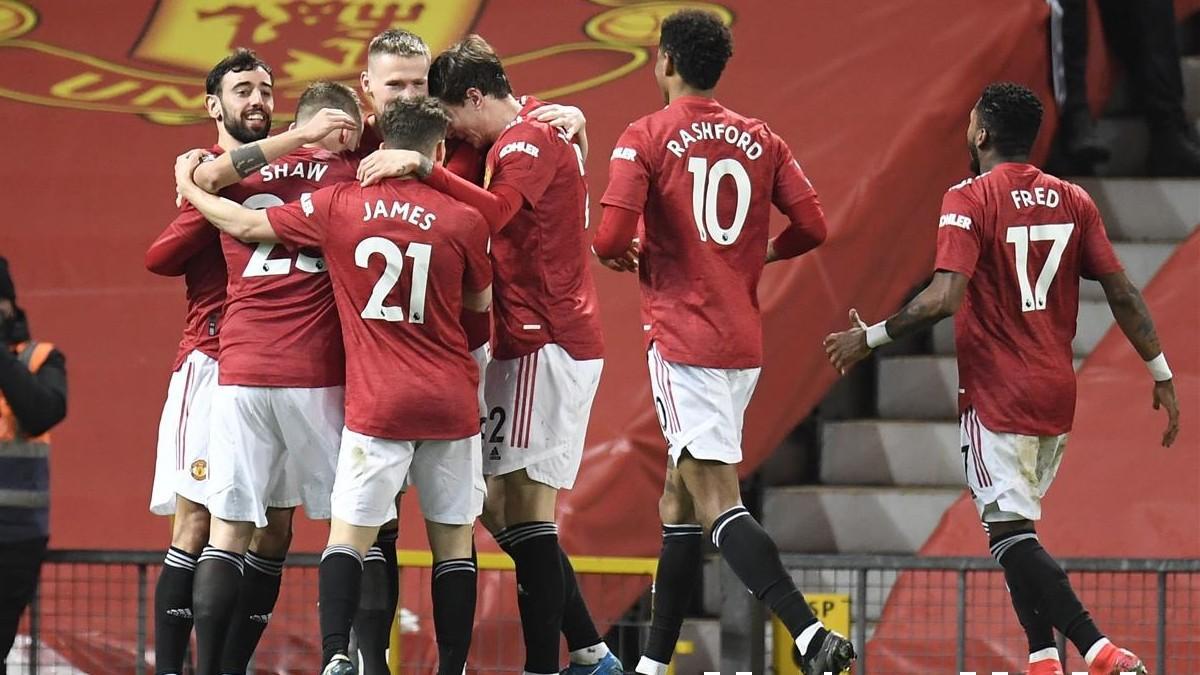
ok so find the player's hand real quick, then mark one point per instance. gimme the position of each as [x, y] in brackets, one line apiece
[847, 348]
[627, 261]
[185, 164]
[1164, 397]
[325, 122]
[388, 164]
[566, 117]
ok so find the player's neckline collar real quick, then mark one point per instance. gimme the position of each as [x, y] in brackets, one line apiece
[692, 100]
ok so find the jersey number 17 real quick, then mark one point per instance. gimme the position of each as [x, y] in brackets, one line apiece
[1034, 298]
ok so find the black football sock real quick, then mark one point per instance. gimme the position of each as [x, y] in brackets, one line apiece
[215, 591]
[754, 558]
[377, 604]
[583, 640]
[540, 591]
[339, 582]
[454, 589]
[173, 611]
[1045, 583]
[1039, 632]
[260, 591]
[675, 582]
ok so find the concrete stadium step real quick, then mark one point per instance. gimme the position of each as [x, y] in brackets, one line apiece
[1146, 209]
[1141, 261]
[1128, 142]
[892, 452]
[915, 387]
[919, 388]
[1095, 319]
[817, 519]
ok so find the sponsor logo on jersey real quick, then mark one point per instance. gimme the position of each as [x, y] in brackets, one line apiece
[306, 203]
[519, 146]
[624, 153]
[495, 456]
[199, 470]
[956, 220]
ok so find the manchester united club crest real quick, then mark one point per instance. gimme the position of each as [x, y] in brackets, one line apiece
[199, 470]
[161, 76]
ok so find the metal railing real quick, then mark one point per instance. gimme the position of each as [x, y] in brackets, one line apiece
[93, 613]
[943, 615]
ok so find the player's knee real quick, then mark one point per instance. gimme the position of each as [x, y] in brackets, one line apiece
[493, 512]
[675, 509]
[275, 539]
[191, 530]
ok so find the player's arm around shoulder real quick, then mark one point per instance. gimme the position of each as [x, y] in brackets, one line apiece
[234, 219]
[231, 167]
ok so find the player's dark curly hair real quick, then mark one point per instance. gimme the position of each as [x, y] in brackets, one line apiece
[1012, 115]
[699, 45]
[470, 64]
[413, 124]
[239, 61]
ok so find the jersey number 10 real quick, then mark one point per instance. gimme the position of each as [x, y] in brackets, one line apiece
[394, 257]
[706, 184]
[1034, 299]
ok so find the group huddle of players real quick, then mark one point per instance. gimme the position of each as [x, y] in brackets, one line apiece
[405, 298]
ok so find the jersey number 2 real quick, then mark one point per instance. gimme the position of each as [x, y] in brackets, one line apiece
[706, 183]
[394, 257]
[1034, 299]
[261, 264]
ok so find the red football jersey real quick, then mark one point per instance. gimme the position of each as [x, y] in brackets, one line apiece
[544, 290]
[462, 158]
[1024, 238]
[704, 178]
[281, 325]
[191, 234]
[400, 255]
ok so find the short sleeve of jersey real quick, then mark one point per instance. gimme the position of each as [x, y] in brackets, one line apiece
[478, 268]
[629, 171]
[522, 163]
[1098, 257]
[791, 185]
[303, 223]
[958, 234]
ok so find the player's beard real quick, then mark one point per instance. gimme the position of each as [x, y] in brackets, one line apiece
[237, 127]
[974, 152]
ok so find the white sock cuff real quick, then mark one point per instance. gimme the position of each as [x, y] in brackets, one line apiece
[1047, 654]
[805, 637]
[229, 557]
[648, 666]
[721, 521]
[266, 566]
[180, 559]
[1094, 650]
[340, 549]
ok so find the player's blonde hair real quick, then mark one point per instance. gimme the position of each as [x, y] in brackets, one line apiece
[397, 42]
